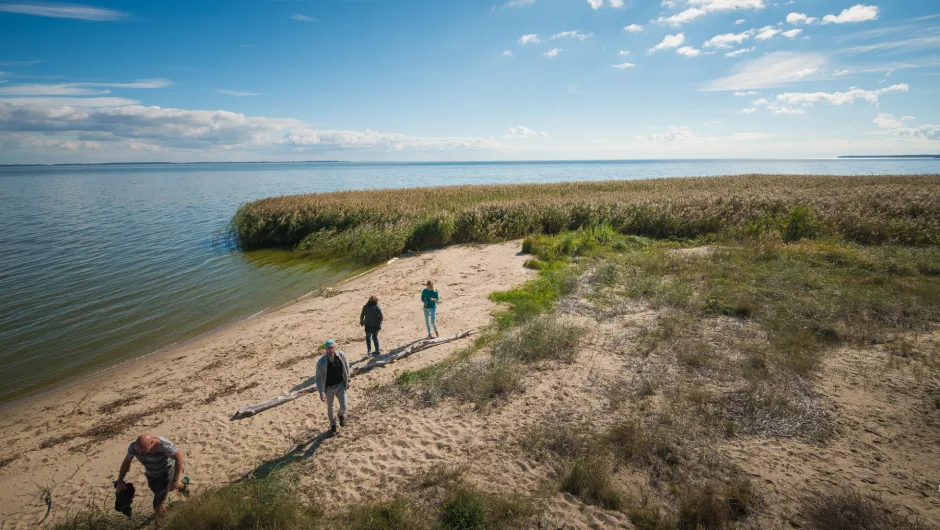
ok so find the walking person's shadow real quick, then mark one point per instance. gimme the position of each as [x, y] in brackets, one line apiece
[301, 451]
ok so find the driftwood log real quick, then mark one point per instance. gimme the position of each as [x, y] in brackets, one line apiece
[372, 363]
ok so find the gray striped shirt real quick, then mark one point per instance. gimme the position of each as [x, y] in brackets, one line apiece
[158, 462]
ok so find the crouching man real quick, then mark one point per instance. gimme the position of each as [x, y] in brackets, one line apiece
[163, 466]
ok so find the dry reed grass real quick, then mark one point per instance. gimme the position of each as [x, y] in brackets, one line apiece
[376, 224]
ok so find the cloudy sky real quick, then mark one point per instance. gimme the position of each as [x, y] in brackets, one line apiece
[466, 79]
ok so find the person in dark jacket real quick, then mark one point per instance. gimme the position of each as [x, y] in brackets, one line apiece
[371, 317]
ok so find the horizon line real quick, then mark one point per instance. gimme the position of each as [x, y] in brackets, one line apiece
[598, 160]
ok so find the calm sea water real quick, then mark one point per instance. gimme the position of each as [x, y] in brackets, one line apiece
[100, 264]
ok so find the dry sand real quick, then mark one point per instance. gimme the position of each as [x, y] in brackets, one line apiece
[195, 388]
[886, 441]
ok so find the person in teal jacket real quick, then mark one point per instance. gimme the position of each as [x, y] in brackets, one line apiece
[430, 297]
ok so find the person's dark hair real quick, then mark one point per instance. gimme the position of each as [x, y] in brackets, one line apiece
[430, 284]
[374, 299]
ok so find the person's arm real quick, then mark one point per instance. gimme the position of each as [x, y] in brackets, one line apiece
[362, 316]
[125, 467]
[319, 380]
[381, 316]
[346, 368]
[178, 471]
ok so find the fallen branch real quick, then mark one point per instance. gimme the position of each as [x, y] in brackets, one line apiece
[376, 362]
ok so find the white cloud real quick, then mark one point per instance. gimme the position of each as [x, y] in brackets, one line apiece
[700, 8]
[742, 51]
[799, 18]
[595, 4]
[916, 42]
[615, 3]
[81, 12]
[789, 111]
[728, 5]
[70, 101]
[507, 53]
[19, 63]
[672, 134]
[303, 18]
[633, 28]
[739, 21]
[684, 134]
[669, 41]
[78, 89]
[901, 130]
[688, 51]
[887, 121]
[773, 69]
[154, 127]
[748, 93]
[236, 92]
[669, 3]
[726, 40]
[621, 66]
[50, 90]
[623, 53]
[552, 53]
[856, 13]
[750, 110]
[767, 32]
[573, 34]
[791, 34]
[519, 3]
[807, 99]
[140, 83]
[521, 132]
[531, 38]
[678, 19]
[760, 102]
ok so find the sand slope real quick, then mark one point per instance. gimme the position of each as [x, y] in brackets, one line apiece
[189, 393]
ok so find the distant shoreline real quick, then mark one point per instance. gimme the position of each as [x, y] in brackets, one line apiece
[840, 157]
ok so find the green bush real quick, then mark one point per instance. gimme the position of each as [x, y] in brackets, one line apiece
[800, 223]
[465, 511]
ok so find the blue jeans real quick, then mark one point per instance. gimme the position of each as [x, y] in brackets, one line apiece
[430, 318]
[373, 334]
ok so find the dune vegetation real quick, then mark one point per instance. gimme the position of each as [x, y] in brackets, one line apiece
[374, 225]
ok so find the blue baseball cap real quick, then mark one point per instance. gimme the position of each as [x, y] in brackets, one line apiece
[329, 343]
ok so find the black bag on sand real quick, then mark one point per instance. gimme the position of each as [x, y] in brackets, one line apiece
[124, 499]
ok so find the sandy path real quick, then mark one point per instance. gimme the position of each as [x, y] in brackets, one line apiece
[189, 393]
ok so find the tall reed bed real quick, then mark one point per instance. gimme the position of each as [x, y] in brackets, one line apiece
[373, 225]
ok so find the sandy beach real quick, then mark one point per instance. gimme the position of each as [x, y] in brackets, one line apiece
[68, 444]
[189, 393]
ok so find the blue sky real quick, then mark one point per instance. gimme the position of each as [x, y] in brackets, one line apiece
[466, 79]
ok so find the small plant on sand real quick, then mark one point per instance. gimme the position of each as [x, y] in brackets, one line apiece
[396, 514]
[590, 478]
[846, 509]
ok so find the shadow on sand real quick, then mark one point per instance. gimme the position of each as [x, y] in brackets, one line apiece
[301, 451]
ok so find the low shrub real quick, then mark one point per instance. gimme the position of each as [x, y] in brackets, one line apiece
[545, 337]
[846, 509]
[590, 478]
[396, 514]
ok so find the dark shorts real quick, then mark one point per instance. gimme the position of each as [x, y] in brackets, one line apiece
[373, 329]
[160, 486]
